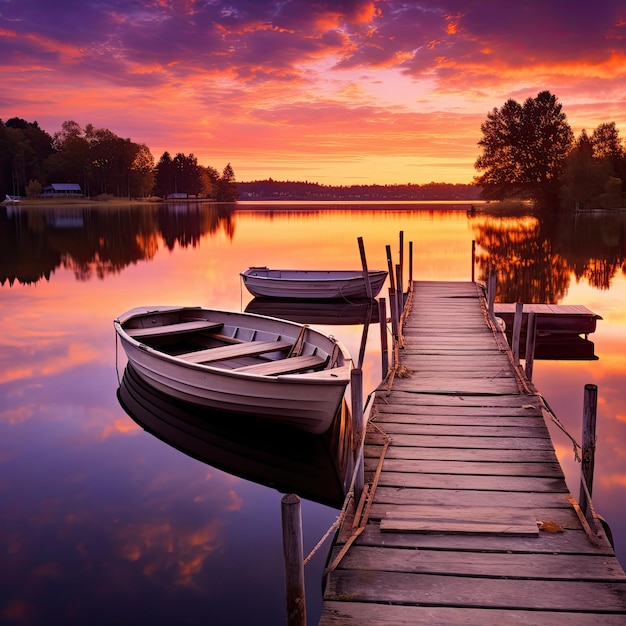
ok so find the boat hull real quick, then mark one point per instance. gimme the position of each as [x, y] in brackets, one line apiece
[313, 284]
[307, 401]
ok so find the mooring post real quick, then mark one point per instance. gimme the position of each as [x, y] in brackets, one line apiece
[393, 305]
[366, 275]
[401, 261]
[410, 262]
[473, 260]
[294, 560]
[517, 330]
[491, 293]
[390, 270]
[399, 295]
[529, 356]
[590, 405]
[384, 348]
[356, 391]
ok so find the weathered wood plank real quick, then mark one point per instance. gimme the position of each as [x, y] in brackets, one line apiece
[446, 467]
[565, 518]
[461, 430]
[468, 441]
[464, 454]
[412, 397]
[498, 564]
[469, 497]
[457, 386]
[409, 588]
[507, 484]
[458, 527]
[449, 415]
[337, 613]
[567, 542]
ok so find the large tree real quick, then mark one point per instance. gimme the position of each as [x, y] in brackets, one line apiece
[23, 149]
[524, 148]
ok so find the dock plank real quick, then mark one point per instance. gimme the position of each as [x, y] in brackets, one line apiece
[470, 520]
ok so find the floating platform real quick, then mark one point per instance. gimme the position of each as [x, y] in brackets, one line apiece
[572, 319]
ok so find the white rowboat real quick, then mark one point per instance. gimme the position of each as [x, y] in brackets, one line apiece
[314, 284]
[238, 362]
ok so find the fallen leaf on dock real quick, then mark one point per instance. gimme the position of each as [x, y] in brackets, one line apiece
[550, 527]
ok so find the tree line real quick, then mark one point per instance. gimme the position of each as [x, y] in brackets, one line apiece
[529, 152]
[102, 163]
[270, 189]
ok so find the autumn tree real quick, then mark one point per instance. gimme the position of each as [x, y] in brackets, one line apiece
[142, 173]
[226, 186]
[524, 148]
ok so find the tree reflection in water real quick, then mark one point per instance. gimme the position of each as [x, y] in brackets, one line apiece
[98, 241]
[535, 257]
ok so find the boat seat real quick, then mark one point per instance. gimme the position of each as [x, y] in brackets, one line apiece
[245, 348]
[285, 366]
[173, 329]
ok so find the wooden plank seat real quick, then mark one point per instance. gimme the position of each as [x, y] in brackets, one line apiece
[290, 365]
[245, 348]
[173, 329]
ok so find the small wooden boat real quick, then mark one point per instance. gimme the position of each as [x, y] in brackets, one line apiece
[316, 467]
[238, 362]
[315, 284]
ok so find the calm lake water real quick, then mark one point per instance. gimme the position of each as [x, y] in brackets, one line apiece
[105, 523]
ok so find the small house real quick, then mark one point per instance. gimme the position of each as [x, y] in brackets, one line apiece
[63, 190]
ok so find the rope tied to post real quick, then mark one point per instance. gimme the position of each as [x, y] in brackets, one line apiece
[557, 421]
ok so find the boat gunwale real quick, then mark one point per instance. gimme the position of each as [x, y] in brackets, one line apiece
[318, 377]
[348, 275]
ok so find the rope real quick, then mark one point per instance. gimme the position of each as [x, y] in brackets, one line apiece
[369, 495]
[333, 527]
[558, 422]
[527, 385]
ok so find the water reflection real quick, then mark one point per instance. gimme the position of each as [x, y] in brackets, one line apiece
[325, 312]
[103, 523]
[536, 258]
[98, 241]
[317, 468]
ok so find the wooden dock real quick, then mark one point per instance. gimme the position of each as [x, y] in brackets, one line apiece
[466, 517]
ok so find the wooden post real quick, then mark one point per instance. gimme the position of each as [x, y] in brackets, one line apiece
[491, 293]
[384, 348]
[410, 262]
[294, 560]
[392, 284]
[531, 332]
[473, 260]
[393, 305]
[401, 262]
[589, 444]
[399, 293]
[366, 275]
[517, 330]
[356, 392]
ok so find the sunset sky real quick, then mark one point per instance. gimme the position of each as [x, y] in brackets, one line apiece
[337, 92]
